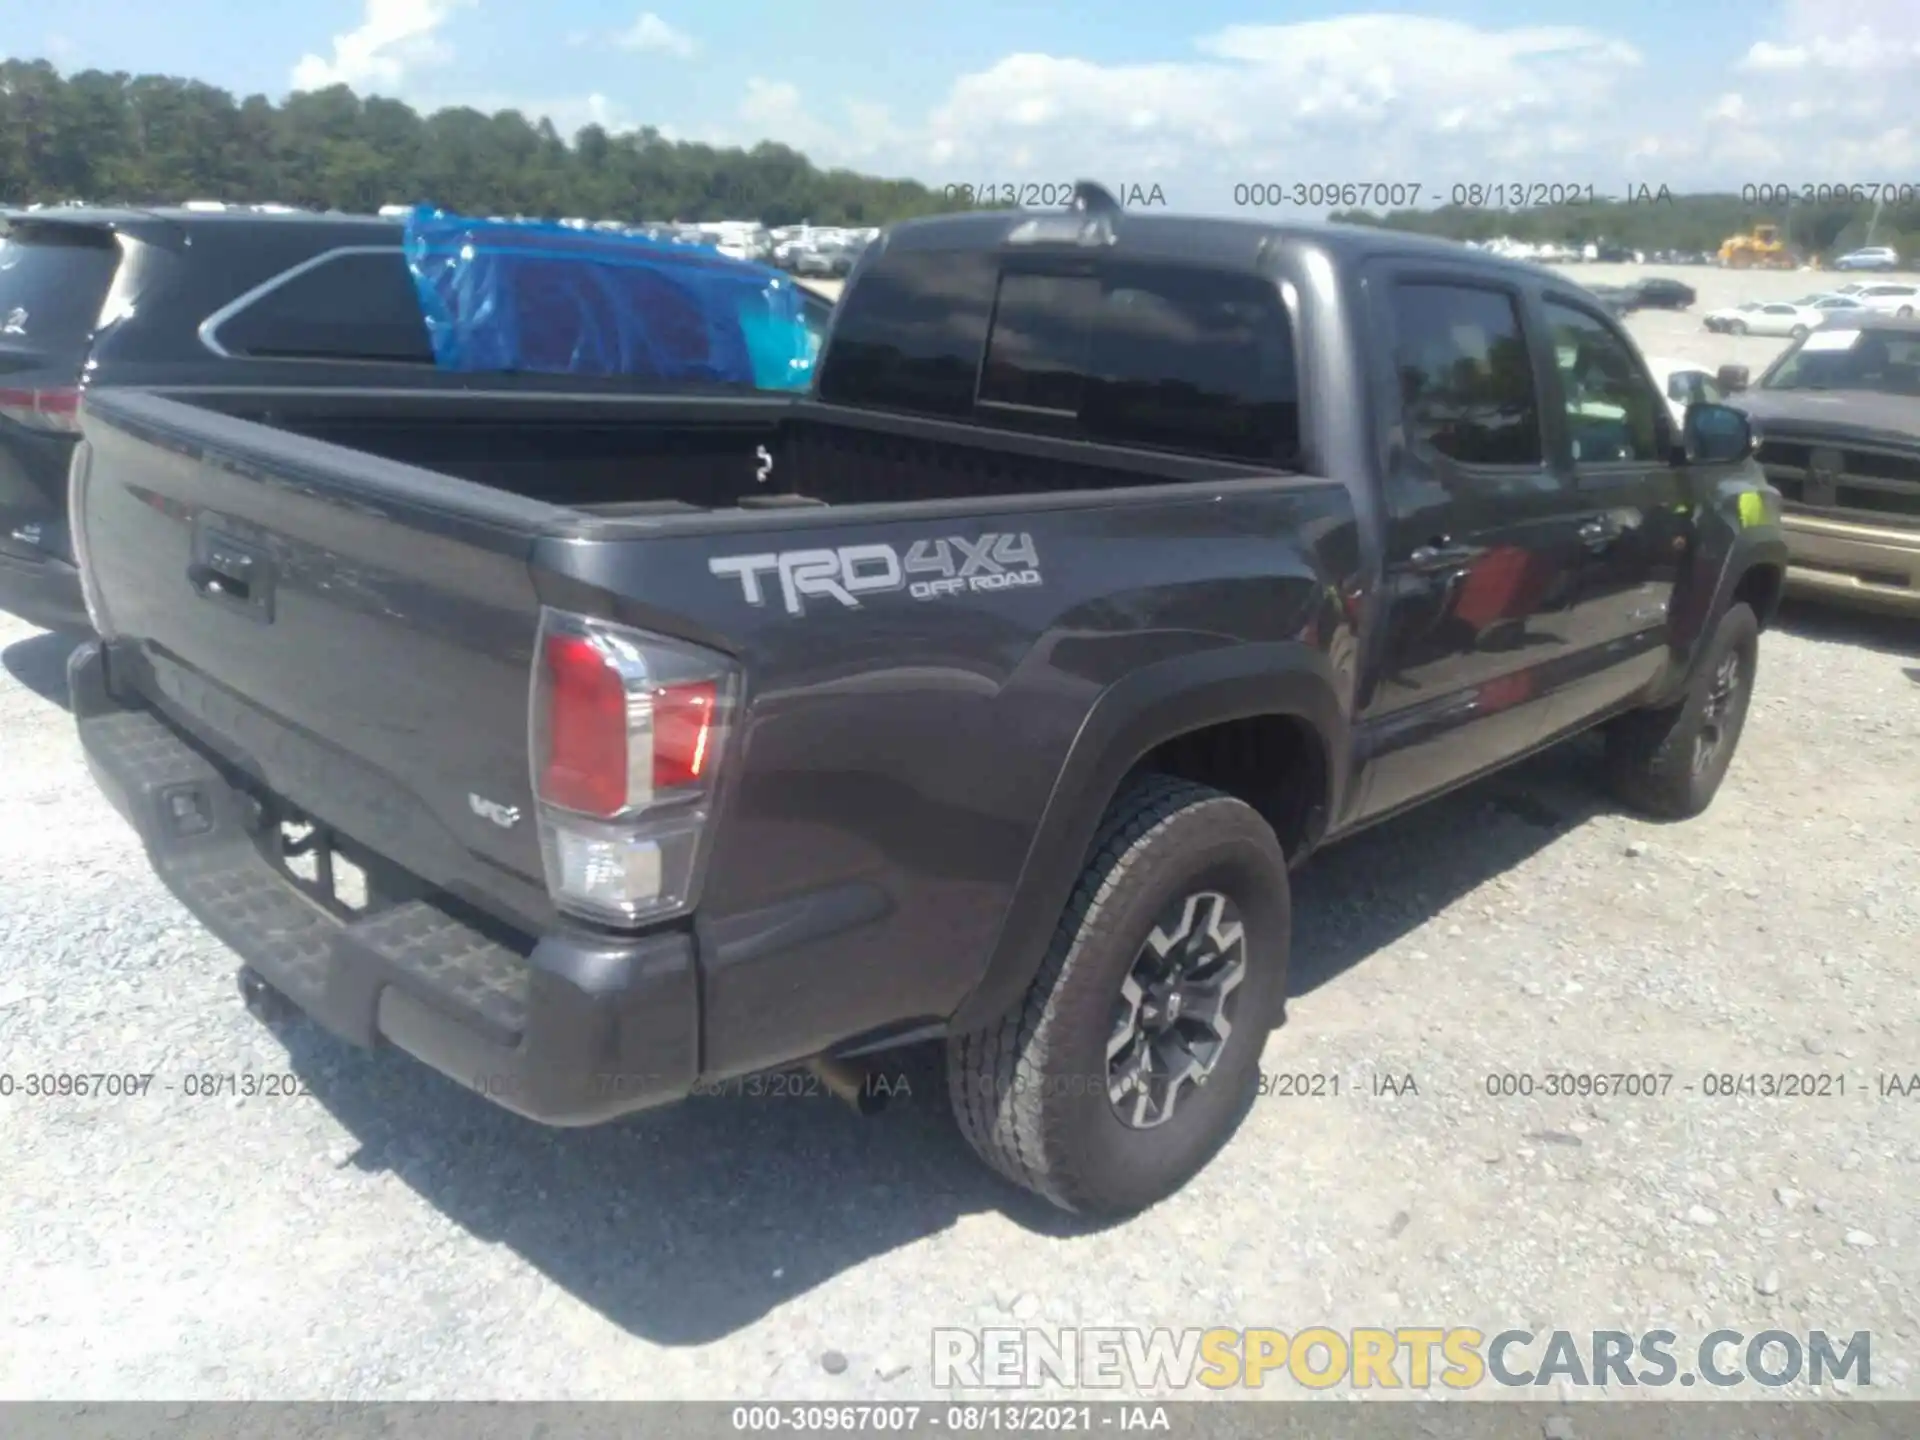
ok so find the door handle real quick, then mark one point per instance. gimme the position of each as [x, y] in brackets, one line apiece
[1441, 554]
[1599, 531]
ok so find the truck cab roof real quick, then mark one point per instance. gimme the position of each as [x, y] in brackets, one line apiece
[1220, 243]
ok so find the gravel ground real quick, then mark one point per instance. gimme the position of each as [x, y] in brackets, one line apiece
[391, 1236]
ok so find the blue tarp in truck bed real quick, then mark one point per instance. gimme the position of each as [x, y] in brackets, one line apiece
[530, 296]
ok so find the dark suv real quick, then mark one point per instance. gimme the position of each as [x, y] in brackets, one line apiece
[93, 296]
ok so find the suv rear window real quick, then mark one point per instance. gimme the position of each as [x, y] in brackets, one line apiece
[355, 305]
[53, 283]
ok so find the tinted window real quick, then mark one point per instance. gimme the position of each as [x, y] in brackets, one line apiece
[1465, 379]
[908, 334]
[1888, 363]
[52, 285]
[352, 307]
[1042, 336]
[1611, 411]
[1194, 361]
[1152, 356]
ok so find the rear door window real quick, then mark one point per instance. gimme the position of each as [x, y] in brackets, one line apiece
[1194, 361]
[354, 305]
[53, 283]
[1466, 378]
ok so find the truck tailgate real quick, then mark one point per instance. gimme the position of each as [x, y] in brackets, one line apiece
[354, 634]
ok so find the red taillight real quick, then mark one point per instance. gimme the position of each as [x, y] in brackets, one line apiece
[586, 760]
[683, 718]
[629, 729]
[56, 409]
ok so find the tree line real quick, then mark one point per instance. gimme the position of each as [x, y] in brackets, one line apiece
[114, 138]
[1815, 224]
[156, 139]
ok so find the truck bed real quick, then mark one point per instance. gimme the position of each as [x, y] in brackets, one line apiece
[640, 455]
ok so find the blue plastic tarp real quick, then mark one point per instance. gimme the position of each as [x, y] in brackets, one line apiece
[509, 295]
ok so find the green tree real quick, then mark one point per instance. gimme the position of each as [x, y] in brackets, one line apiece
[158, 139]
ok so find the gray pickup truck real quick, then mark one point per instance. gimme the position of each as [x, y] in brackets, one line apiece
[593, 749]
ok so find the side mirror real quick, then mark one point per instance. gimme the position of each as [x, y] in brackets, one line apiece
[1731, 379]
[1717, 434]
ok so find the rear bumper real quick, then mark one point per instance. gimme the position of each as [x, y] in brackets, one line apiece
[1872, 566]
[45, 592]
[572, 1030]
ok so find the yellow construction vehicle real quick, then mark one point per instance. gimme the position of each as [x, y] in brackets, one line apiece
[1759, 249]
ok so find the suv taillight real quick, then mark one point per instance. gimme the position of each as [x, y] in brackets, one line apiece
[56, 409]
[627, 736]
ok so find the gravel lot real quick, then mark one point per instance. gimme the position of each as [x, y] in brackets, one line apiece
[393, 1236]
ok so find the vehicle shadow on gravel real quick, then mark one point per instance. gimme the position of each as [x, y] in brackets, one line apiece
[681, 1225]
[1354, 899]
[1888, 634]
[40, 663]
[689, 1223]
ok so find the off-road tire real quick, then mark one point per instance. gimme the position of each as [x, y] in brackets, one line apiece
[1650, 753]
[1030, 1092]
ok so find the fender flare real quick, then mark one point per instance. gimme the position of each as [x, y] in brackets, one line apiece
[1747, 550]
[1144, 709]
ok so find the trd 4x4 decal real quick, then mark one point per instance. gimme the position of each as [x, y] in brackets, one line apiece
[929, 570]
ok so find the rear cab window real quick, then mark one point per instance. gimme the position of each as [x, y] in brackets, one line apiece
[349, 304]
[1153, 356]
[54, 281]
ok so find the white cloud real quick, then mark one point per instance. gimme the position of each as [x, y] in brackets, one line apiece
[651, 33]
[394, 37]
[1822, 93]
[1838, 78]
[1368, 97]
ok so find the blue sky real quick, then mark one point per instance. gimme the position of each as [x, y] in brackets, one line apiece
[1194, 97]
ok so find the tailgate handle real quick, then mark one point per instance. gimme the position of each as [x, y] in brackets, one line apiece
[228, 573]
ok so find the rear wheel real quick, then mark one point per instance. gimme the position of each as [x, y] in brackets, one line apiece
[1799, 332]
[1904, 311]
[1132, 1059]
[1670, 762]
[1736, 327]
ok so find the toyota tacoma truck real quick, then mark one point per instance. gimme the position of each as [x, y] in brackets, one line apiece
[597, 749]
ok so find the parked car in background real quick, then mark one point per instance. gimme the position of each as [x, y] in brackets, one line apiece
[202, 296]
[1684, 383]
[94, 296]
[1722, 320]
[1890, 299]
[1829, 300]
[1619, 299]
[1873, 257]
[1838, 422]
[1770, 318]
[1657, 292]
